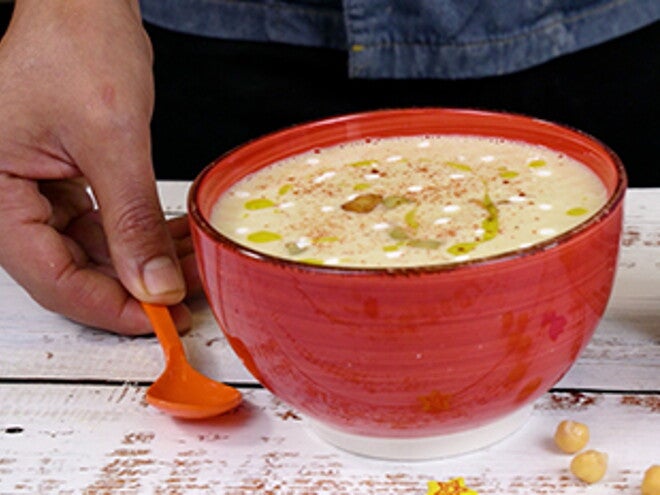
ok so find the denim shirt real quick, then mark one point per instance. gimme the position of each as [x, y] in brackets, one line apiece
[415, 38]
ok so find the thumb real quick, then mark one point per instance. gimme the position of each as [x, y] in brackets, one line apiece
[139, 241]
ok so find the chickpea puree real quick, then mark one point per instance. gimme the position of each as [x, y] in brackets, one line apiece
[409, 201]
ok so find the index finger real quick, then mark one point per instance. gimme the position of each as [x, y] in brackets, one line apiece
[118, 167]
[47, 266]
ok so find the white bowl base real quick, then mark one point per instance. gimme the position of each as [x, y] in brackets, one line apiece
[423, 448]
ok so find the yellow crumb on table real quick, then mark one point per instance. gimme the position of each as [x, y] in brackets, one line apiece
[454, 486]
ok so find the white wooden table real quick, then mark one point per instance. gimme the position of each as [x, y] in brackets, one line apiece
[73, 418]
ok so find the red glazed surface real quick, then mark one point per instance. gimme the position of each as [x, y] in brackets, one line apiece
[411, 352]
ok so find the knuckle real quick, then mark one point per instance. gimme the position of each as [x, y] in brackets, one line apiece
[21, 202]
[106, 123]
[110, 114]
[136, 218]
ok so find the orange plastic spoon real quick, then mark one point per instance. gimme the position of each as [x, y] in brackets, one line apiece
[181, 390]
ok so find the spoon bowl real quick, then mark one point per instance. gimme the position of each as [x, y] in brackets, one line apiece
[181, 390]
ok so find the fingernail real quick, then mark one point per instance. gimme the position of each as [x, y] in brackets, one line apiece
[161, 276]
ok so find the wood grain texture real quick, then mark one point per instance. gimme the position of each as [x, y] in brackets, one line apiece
[97, 440]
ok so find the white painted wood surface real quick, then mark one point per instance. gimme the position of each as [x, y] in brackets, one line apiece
[97, 440]
[72, 419]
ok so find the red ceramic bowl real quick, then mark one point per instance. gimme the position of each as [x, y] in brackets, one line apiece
[411, 362]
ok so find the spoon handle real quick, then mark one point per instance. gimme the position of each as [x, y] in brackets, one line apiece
[161, 321]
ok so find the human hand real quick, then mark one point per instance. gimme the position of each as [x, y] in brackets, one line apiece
[76, 98]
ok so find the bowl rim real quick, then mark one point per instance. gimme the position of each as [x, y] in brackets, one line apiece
[613, 201]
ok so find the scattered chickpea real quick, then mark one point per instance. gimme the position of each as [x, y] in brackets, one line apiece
[589, 466]
[571, 436]
[651, 482]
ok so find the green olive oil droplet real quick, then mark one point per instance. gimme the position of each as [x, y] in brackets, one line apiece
[537, 163]
[284, 189]
[577, 211]
[361, 186]
[312, 261]
[363, 163]
[326, 239]
[461, 248]
[411, 219]
[263, 236]
[491, 224]
[491, 228]
[508, 174]
[459, 166]
[259, 204]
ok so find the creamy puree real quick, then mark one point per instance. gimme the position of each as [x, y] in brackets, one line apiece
[409, 201]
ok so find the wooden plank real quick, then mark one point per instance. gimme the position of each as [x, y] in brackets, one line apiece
[94, 440]
[637, 286]
[38, 344]
[624, 353]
